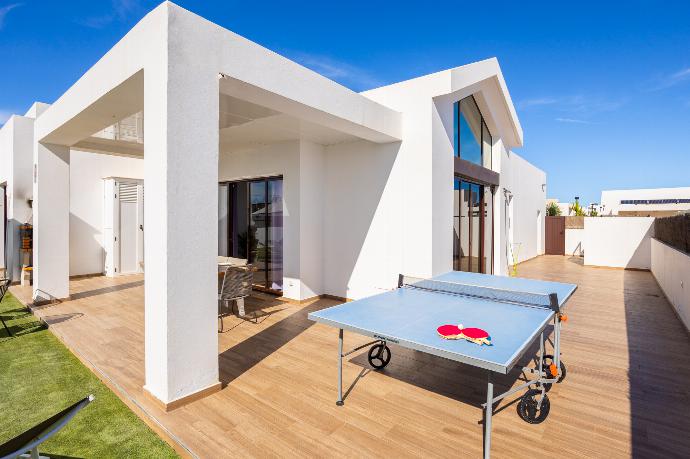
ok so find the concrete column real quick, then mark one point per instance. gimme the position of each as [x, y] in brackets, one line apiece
[181, 215]
[51, 222]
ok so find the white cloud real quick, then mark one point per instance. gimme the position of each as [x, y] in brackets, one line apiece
[121, 10]
[670, 80]
[537, 102]
[572, 121]
[576, 108]
[347, 74]
[5, 10]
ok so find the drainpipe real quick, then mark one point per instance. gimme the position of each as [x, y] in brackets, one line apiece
[507, 198]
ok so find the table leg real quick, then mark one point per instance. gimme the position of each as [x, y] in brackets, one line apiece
[487, 417]
[340, 368]
[541, 356]
[557, 343]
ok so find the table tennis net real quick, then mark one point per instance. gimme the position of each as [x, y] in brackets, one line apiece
[481, 292]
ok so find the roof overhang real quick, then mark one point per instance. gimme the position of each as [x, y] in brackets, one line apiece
[487, 78]
[482, 79]
[114, 87]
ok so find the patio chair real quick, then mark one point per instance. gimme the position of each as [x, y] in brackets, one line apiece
[4, 286]
[235, 286]
[29, 441]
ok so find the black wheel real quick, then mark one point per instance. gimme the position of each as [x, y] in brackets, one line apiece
[379, 356]
[527, 407]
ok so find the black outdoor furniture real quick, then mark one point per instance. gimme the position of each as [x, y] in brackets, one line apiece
[29, 441]
[4, 286]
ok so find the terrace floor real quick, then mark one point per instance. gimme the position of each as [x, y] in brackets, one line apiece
[626, 393]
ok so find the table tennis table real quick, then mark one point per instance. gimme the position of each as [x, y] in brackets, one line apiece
[514, 311]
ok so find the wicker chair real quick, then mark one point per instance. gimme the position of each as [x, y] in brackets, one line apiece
[235, 286]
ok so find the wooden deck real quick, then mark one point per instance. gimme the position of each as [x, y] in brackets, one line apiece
[626, 393]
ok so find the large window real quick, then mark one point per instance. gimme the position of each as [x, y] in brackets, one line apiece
[472, 137]
[250, 226]
[472, 227]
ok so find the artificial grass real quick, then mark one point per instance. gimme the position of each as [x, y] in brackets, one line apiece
[39, 376]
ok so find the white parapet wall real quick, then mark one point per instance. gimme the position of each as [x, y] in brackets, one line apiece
[574, 238]
[527, 184]
[619, 242]
[671, 269]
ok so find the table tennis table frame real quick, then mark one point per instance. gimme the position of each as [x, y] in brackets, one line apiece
[542, 377]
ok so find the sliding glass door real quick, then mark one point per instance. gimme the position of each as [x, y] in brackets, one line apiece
[472, 227]
[250, 226]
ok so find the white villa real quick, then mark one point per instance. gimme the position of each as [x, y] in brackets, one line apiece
[186, 141]
[649, 202]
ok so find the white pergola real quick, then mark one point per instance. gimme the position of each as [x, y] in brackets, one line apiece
[176, 66]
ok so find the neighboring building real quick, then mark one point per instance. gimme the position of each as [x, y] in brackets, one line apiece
[563, 206]
[248, 154]
[651, 202]
[567, 207]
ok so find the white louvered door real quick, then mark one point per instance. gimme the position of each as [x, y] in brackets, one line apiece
[129, 235]
[128, 227]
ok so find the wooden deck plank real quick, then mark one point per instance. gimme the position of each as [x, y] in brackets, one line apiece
[626, 393]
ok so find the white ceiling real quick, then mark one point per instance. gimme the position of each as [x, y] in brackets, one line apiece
[244, 125]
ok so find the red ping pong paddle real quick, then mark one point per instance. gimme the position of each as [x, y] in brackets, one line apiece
[474, 335]
[449, 331]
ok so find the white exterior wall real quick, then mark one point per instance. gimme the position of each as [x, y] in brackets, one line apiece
[87, 171]
[285, 159]
[6, 138]
[342, 216]
[671, 269]
[574, 238]
[527, 185]
[611, 200]
[619, 242]
[388, 206]
[410, 182]
[86, 195]
[16, 150]
[365, 219]
[311, 226]
[421, 174]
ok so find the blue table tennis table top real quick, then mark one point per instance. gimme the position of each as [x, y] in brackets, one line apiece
[409, 317]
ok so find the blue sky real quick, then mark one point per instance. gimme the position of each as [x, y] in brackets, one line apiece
[602, 90]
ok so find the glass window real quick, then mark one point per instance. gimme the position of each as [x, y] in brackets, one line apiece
[472, 227]
[470, 131]
[462, 225]
[475, 228]
[257, 230]
[274, 247]
[456, 223]
[487, 256]
[223, 221]
[239, 226]
[471, 136]
[250, 226]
